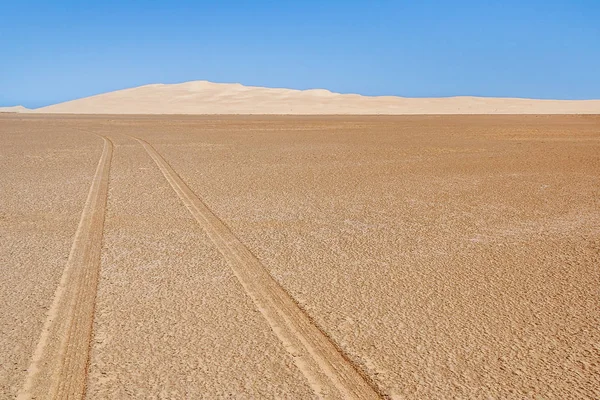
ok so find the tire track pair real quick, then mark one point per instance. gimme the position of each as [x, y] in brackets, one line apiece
[58, 369]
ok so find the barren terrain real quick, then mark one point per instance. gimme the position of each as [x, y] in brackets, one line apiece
[403, 257]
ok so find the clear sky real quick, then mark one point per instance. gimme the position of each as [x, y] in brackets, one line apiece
[53, 51]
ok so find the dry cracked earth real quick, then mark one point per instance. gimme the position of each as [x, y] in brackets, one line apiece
[409, 257]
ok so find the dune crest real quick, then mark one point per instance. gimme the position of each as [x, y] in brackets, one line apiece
[203, 97]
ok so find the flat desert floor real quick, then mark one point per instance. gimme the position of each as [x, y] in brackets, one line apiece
[408, 257]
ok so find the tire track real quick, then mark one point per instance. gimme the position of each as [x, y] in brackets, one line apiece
[329, 373]
[58, 368]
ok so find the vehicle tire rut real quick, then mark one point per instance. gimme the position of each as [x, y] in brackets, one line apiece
[58, 368]
[327, 370]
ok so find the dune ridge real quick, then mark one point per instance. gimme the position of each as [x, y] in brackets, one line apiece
[14, 109]
[203, 97]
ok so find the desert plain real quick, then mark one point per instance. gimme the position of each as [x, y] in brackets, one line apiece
[401, 257]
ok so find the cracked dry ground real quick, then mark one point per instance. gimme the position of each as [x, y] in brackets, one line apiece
[409, 257]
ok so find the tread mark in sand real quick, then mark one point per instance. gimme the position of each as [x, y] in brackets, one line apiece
[329, 373]
[58, 368]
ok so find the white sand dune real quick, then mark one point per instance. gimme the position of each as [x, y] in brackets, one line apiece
[14, 109]
[202, 97]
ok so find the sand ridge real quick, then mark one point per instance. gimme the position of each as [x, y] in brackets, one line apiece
[203, 97]
[14, 109]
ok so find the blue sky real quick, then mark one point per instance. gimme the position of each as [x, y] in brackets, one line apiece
[61, 50]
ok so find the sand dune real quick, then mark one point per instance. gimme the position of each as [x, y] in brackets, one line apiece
[14, 109]
[202, 97]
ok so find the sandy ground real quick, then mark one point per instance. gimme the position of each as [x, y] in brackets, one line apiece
[44, 179]
[442, 256]
[202, 97]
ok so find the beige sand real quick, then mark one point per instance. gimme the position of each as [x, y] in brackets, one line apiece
[45, 177]
[62, 350]
[201, 97]
[438, 256]
[14, 109]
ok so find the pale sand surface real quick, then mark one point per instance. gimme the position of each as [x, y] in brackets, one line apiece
[202, 97]
[446, 257]
[14, 109]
